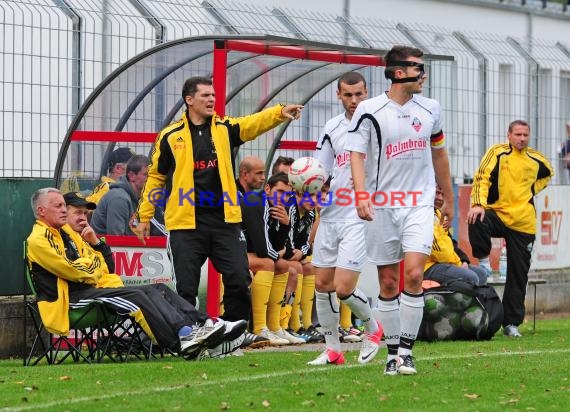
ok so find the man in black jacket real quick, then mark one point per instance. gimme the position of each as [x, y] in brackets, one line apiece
[266, 226]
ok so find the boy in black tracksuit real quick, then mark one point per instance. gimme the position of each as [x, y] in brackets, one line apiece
[298, 249]
[266, 226]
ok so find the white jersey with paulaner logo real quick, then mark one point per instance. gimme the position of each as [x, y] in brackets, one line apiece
[398, 141]
[336, 161]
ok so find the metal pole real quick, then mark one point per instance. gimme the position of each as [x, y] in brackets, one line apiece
[533, 100]
[346, 16]
[76, 73]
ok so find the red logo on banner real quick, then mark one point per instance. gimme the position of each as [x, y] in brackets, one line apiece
[126, 266]
[550, 224]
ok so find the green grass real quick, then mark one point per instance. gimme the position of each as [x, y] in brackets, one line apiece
[528, 374]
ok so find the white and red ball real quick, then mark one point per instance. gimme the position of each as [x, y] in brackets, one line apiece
[306, 174]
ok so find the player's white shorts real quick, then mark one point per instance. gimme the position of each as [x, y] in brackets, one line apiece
[340, 244]
[395, 231]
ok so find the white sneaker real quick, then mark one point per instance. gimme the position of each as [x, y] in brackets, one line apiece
[273, 338]
[283, 334]
[328, 357]
[370, 345]
[208, 335]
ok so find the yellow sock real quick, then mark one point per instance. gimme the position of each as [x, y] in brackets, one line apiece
[307, 299]
[221, 295]
[260, 291]
[275, 298]
[285, 315]
[345, 316]
[294, 322]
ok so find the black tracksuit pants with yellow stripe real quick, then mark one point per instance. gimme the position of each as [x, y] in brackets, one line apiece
[519, 247]
[163, 318]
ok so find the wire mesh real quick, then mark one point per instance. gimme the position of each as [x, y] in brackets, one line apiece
[55, 53]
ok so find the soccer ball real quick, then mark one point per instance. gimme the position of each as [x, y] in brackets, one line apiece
[434, 306]
[459, 301]
[307, 175]
[444, 329]
[471, 320]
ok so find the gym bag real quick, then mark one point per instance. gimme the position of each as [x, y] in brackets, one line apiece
[460, 311]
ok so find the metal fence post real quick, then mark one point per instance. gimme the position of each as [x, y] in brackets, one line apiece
[533, 102]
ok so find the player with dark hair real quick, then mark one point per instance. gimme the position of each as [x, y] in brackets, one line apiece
[339, 251]
[399, 133]
[281, 164]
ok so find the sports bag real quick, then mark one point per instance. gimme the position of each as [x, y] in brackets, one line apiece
[460, 311]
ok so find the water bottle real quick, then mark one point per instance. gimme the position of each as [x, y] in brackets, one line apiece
[503, 264]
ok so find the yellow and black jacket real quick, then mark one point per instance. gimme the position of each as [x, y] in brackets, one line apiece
[172, 162]
[100, 190]
[442, 248]
[52, 272]
[507, 181]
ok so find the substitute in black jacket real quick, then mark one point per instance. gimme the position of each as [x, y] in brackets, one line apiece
[502, 205]
[191, 173]
[297, 249]
[266, 226]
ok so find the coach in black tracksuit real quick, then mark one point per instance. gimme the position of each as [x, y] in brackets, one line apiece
[502, 205]
[192, 164]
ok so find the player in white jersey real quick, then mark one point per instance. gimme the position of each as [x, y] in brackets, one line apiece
[400, 135]
[339, 250]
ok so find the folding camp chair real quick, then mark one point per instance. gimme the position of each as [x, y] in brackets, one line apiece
[91, 335]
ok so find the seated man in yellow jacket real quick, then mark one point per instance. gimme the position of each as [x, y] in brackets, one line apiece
[444, 265]
[67, 271]
[175, 309]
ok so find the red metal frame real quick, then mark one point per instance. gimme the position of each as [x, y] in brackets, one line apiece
[219, 80]
[108, 136]
[297, 145]
[133, 241]
[299, 52]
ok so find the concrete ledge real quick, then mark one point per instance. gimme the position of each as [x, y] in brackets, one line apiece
[12, 327]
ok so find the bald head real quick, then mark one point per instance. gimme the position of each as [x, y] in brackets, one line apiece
[252, 173]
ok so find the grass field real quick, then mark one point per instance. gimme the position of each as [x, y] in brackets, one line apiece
[528, 374]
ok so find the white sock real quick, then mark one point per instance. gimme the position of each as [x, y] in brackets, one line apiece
[389, 316]
[411, 313]
[328, 312]
[358, 304]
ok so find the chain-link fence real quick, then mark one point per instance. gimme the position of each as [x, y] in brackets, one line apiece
[56, 52]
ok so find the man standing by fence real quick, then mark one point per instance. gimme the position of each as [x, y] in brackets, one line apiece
[502, 205]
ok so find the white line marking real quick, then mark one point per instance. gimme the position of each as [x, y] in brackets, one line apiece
[146, 391]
